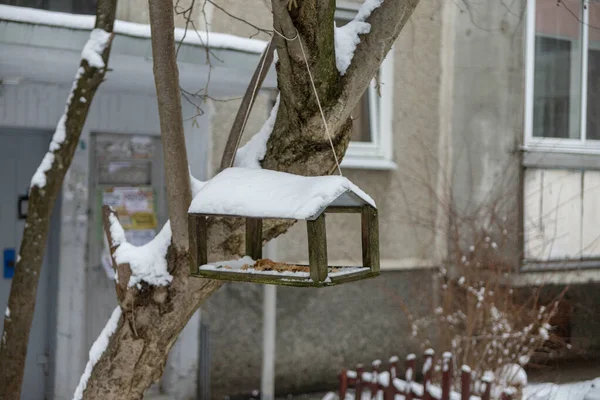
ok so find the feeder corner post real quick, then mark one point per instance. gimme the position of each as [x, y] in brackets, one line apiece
[317, 248]
[254, 238]
[198, 240]
[370, 238]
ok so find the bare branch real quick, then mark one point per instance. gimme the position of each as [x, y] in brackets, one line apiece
[166, 78]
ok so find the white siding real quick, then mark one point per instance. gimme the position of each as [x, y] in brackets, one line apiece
[562, 214]
[591, 214]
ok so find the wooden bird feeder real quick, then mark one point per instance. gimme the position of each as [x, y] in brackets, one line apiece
[257, 195]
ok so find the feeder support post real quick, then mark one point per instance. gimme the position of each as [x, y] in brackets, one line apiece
[317, 248]
[254, 238]
[370, 238]
[198, 242]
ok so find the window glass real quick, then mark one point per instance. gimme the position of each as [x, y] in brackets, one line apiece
[557, 86]
[593, 74]
[361, 120]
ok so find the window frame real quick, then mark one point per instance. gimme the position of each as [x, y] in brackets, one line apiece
[378, 153]
[547, 144]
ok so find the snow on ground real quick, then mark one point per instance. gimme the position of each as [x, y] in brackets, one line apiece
[585, 390]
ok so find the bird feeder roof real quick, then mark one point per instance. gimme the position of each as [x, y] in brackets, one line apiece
[261, 193]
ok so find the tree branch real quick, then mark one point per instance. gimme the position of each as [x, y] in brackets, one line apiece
[45, 187]
[125, 294]
[166, 79]
[386, 21]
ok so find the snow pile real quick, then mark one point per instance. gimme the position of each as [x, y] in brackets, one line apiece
[148, 263]
[512, 375]
[263, 193]
[92, 52]
[97, 350]
[347, 37]
[585, 390]
[200, 38]
[251, 154]
[7, 312]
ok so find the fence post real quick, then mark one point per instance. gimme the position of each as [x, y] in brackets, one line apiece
[374, 384]
[343, 384]
[410, 373]
[465, 383]
[394, 366]
[358, 389]
[389, 393]
[446, 375]
[487, 389]
[506, 395]
[427, 369]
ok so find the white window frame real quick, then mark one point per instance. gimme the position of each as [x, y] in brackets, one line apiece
[558, 145]
[378, 153]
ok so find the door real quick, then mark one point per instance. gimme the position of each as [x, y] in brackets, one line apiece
[20, 153]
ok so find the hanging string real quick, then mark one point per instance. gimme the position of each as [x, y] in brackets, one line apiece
[312, 82]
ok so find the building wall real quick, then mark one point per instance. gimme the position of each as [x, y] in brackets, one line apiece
[487, 113]
[321, 331]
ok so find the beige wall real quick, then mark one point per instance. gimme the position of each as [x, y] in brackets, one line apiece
[407, 210]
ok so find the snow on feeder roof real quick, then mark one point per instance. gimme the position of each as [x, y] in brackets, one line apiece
[258, 194]
[261, 193]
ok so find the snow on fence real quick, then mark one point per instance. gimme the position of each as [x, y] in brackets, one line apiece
[379, 382]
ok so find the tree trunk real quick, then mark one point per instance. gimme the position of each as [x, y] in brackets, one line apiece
[137, 351]
[46, 185]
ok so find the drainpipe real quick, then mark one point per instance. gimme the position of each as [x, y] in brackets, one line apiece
[267, 384]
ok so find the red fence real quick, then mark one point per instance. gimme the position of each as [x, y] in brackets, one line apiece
[386, 381]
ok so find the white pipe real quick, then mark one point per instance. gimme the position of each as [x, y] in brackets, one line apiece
[267, 384]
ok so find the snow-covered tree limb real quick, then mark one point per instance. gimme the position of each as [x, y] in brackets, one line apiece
[45, 187]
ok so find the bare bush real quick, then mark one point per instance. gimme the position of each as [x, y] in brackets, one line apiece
[481, 318]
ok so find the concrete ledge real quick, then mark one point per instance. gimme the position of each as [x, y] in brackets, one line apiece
[555, 160]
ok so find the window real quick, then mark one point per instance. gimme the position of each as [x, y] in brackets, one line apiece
[68, 6]
[371, 143]
[563, 76]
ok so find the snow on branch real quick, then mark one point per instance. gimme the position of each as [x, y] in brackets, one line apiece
[148, 263]
[97, 350]
[252, 153]
[92, 53]
[347, 37]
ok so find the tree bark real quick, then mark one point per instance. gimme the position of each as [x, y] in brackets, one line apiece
[166, 79]
[21, 302]
[137, 351]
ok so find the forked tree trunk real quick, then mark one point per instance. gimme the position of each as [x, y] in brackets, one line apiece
[42, 196]
[153, 316]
